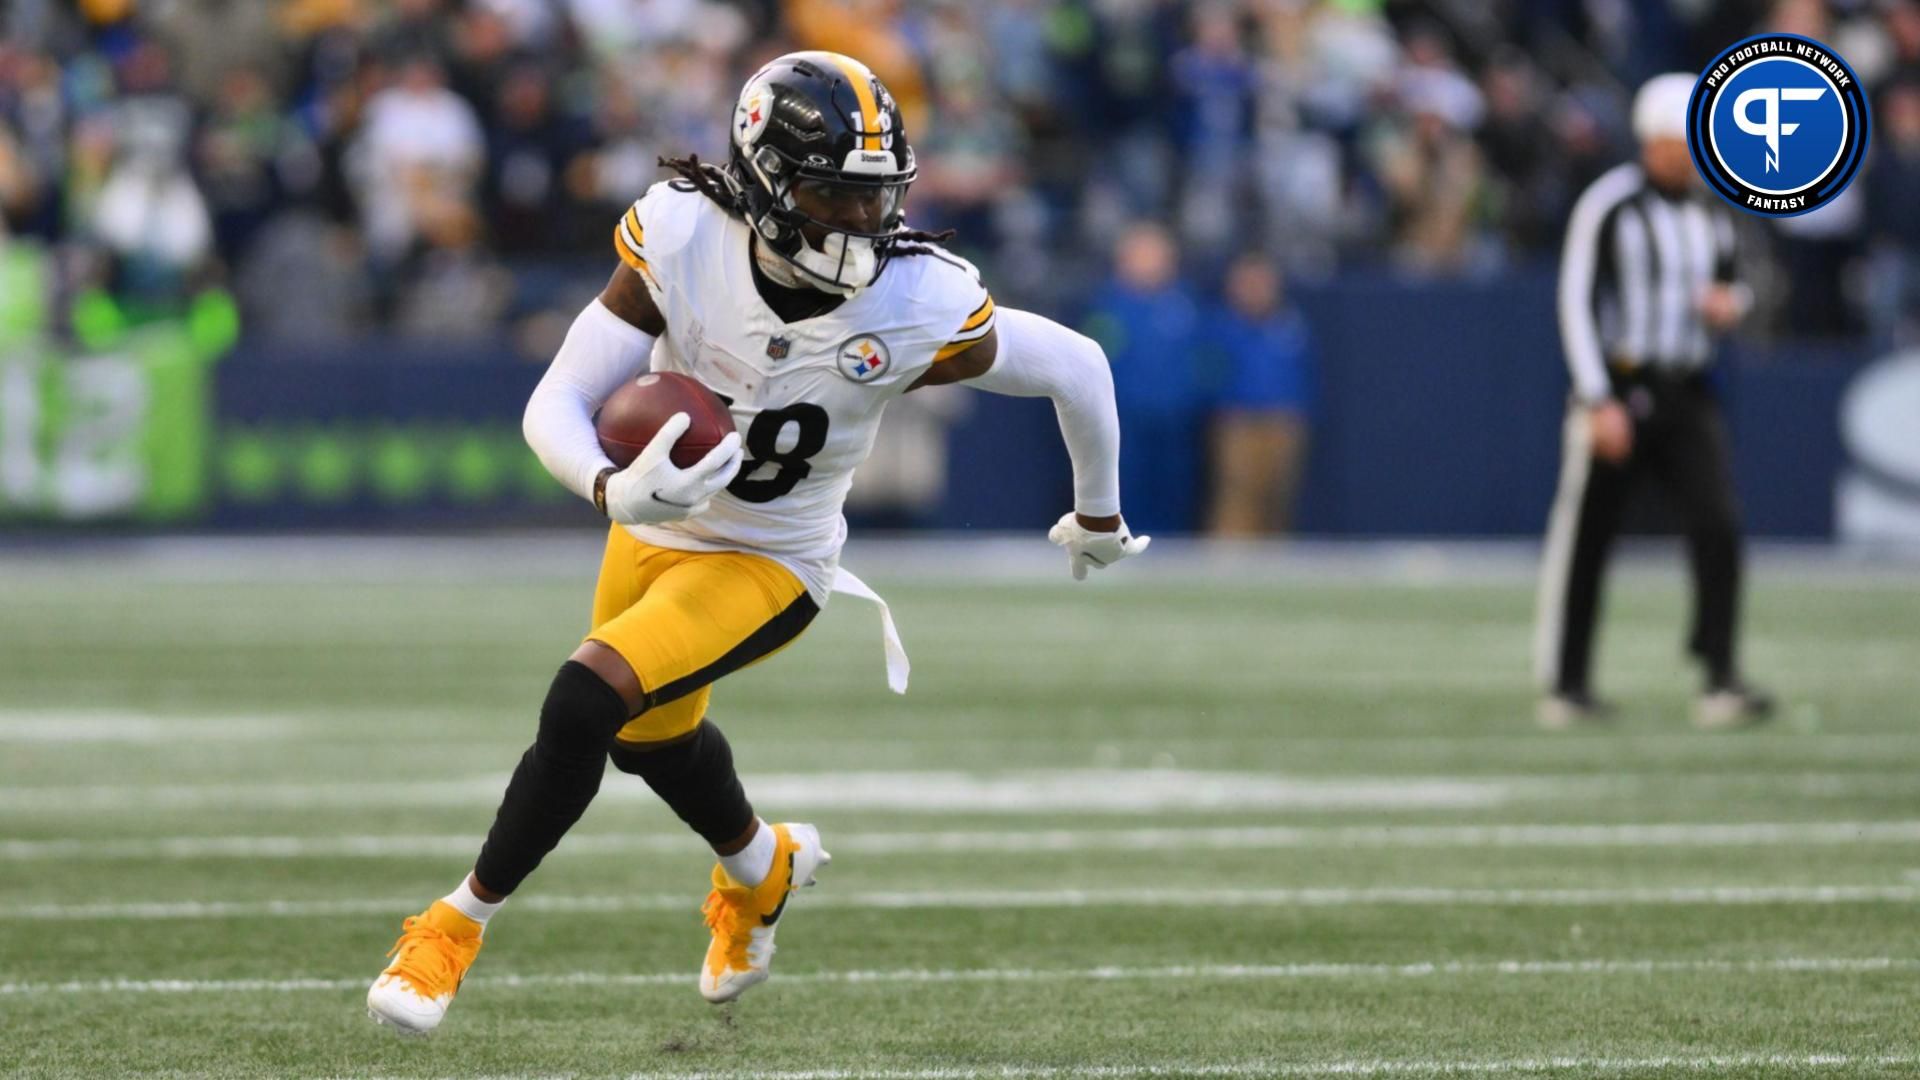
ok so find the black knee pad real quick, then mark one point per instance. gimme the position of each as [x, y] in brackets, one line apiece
[556, 779]
[581, 715]
[695, 777]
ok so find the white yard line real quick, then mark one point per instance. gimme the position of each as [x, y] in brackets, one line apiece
[1100, 791]
[355, 726]
[1832, 965]
[1806, 747]
[994, 899]
[1089, 791]
[947, 842]
[92, 726]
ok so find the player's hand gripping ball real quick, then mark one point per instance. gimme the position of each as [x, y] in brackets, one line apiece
[678, 444]
[637, 411]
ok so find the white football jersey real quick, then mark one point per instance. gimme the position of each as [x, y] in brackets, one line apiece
[806, 396]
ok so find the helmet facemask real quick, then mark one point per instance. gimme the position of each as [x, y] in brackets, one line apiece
[845, 260]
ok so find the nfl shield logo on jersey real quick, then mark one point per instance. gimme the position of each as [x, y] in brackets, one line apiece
[778, 347]
[863, 357]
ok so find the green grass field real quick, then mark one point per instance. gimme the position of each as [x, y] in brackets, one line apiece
[1155, 826]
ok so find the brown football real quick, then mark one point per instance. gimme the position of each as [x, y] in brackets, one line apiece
[628, 420]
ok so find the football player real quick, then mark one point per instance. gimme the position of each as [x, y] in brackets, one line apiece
[787, 282]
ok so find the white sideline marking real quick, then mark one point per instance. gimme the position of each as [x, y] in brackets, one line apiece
[1354, 1067]
[60, 726]
[1276, 837]
[1253, 972]
[1085, 790]
[992, 899]
[1358, 1067]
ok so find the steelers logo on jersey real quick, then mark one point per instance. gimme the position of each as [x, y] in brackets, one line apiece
[863, 358]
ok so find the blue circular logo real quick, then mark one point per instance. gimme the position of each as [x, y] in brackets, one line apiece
[1778, 125]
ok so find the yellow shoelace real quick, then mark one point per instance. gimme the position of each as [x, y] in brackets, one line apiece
[728, 920]
[429, 958]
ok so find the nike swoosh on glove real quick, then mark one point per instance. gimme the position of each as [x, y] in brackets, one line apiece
[1096, 549]
[654, 490]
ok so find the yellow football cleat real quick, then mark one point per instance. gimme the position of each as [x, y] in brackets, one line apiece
[431, 958]
[743, 919]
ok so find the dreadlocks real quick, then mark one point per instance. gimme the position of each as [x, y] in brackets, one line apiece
[707, 179]
[713, 181]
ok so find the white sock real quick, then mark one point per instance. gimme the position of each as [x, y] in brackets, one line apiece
[750, 865]
[466, 903]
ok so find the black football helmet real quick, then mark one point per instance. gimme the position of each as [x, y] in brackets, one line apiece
[821, 117]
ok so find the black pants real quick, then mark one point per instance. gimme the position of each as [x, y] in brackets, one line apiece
[1680, 441]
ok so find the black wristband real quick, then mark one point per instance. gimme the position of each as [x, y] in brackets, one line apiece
[600, 489]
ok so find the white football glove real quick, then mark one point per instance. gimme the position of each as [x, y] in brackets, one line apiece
[1096, 549]
[654, 490]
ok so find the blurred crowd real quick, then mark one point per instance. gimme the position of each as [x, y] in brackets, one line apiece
[448, 169]
[402, 159]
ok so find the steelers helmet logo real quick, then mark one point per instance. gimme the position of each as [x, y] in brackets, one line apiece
[863, 358]
[1778, 125]
[751, 113]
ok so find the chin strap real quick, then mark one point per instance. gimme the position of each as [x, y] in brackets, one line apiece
[775, 266]
[793, 271]
[852, 256]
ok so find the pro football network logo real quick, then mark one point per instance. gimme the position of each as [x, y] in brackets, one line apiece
[1778, 125]
[863, 358]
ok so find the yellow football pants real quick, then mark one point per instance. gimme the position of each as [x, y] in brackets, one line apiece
[684, 619]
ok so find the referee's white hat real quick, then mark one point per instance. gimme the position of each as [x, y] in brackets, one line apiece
[1660, 108]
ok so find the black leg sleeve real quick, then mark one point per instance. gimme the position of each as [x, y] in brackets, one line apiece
[556, 779]
[695, 777]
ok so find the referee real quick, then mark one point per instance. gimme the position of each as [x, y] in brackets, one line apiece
[1647, 282]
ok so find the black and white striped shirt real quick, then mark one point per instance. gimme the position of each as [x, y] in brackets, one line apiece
[1635, 266]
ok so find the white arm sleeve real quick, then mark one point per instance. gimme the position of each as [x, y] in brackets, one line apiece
[1038, 357]
[602, 351]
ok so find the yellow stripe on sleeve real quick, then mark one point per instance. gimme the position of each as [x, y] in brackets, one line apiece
[633, 225]
[980, 315]
[955, 348]
[627, 253]
[978, 326]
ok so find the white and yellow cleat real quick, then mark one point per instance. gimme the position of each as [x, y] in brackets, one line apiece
[743, 919]
[432, 956]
